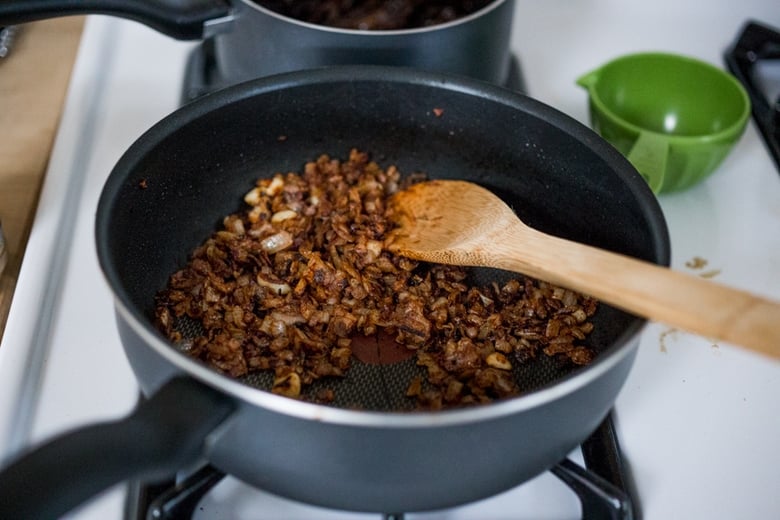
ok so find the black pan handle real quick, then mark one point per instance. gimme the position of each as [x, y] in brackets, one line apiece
[163, 434]
[181, 19]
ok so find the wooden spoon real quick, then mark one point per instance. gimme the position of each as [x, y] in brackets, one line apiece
[460, 223]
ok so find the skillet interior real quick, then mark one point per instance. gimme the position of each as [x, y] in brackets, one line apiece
[174, 186]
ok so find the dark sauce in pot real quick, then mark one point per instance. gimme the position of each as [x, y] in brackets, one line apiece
[375, 15]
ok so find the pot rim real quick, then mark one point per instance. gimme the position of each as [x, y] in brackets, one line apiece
[251, 4]
[726, 134]
[613, 355]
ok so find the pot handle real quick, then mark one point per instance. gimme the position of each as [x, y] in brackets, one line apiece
[162, 435]
[650, 156]
[181, 19]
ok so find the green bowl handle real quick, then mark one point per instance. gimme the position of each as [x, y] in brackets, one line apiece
[649, 156]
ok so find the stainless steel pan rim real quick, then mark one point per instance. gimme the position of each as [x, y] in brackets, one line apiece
[411, 420]
[379, 33]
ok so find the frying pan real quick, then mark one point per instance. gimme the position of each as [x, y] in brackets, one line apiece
[173, 186]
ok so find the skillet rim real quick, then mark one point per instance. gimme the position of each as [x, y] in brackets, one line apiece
[625, 345]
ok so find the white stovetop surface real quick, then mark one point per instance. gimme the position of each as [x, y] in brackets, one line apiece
[698, 421]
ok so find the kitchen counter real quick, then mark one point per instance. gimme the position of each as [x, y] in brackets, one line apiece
[33, 82]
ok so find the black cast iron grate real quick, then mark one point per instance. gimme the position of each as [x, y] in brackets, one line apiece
[754, 59]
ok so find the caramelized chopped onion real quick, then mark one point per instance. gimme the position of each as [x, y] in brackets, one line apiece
[277, 242]
[287, 284]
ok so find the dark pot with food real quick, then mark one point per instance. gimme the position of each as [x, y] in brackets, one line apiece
[242, 238]
[262, 37]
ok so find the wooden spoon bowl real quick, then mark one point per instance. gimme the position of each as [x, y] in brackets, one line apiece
[461, 223]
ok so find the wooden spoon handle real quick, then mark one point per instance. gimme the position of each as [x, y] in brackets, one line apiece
[648, 290]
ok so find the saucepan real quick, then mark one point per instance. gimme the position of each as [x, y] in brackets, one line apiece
[251, 40]
[173, 187]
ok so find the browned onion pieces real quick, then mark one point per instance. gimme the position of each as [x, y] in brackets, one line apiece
[285, 285]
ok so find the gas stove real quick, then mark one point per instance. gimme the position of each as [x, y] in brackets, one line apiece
[696, 421]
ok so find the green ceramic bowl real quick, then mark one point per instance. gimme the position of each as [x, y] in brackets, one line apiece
[674, 117]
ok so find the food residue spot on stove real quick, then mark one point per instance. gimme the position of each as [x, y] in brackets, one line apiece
[696, 262]
[712, 273]
[662, 338]
[673, 333]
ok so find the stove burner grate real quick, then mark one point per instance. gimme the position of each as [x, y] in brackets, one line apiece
[754, 59]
